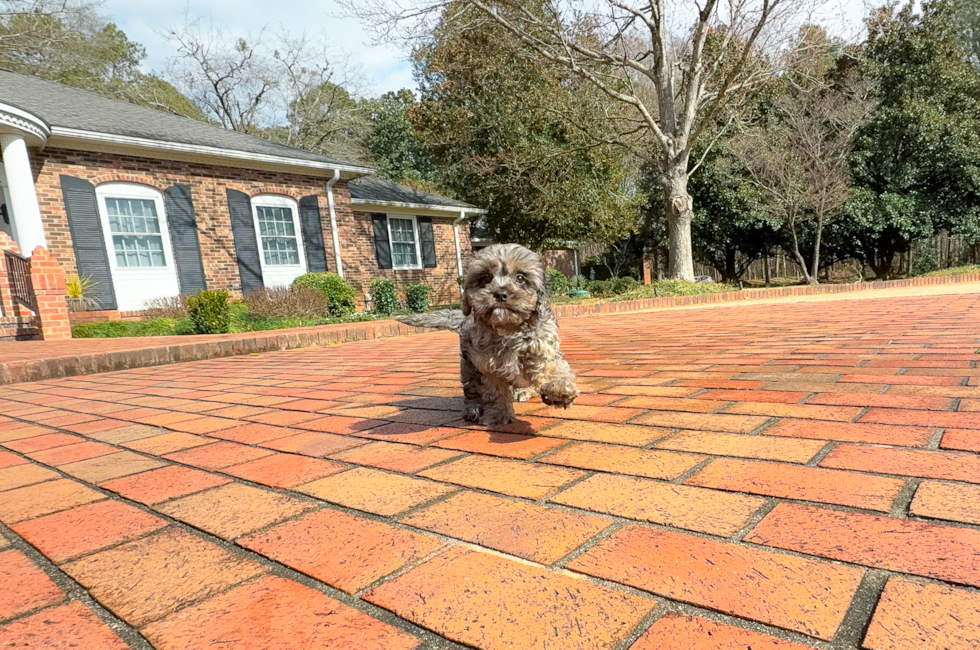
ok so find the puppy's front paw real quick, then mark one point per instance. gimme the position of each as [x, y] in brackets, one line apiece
[471, 413]
[497, 419]
[559, 394]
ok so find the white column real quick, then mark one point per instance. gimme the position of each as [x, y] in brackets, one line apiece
[28, 229]
[333, 222]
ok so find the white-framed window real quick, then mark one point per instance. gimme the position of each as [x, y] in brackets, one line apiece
[135, 225]
[137, 239]
[280, 239]
[135, 228]
[403, 235]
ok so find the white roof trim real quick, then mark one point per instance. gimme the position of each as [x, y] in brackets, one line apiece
[20, 120]
[418, 206]
[203, 150]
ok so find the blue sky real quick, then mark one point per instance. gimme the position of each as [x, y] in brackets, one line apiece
[385, 67]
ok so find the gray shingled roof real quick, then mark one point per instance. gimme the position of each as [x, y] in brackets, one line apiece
[71, 108]
[372, 188]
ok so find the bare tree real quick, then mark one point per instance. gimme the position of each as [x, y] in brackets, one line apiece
[800, 161]
[285, 88]
[672, 65]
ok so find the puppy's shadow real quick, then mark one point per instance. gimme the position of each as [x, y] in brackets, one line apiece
[508, 433]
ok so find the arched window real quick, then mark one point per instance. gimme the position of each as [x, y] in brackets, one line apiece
[137, 240]
[277, 229]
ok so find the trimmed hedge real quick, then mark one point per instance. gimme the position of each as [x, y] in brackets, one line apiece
[209, 312]
[384, 296]
[417, 297]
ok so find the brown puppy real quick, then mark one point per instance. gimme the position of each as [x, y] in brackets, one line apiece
[508, 336]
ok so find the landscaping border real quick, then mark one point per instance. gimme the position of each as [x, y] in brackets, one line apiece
[156, 351]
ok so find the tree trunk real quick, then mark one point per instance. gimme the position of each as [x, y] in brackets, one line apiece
[768, 273]
[731, 270]
[678, 208]
[816, 251]
[796, 251]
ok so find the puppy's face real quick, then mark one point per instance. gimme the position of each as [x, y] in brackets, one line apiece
[504, 286]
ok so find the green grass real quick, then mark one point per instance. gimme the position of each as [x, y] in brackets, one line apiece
[956, 270]
[241, 321]
[120, 328]
[658, 289]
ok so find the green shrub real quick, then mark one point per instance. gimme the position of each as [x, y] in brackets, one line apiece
[385, 297]
[183, 326]
[600, 288]
[559, 283]
[339, 291]
[623, 285]
[209, 312]
[417, 297]
[577, 282]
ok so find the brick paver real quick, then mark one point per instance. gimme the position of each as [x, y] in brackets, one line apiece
[774, 477]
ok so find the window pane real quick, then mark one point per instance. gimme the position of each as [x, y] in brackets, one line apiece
[280, 250]
[133, 216]
[138, 250]
[402, 231]
[278, 233]
[405, 254]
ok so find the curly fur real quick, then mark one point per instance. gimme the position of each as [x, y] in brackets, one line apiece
[509, 345]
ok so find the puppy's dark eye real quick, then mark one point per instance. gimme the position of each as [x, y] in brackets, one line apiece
[483, 281]
[521, 278]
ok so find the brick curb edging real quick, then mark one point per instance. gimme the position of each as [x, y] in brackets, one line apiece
[226, 345]
[212, 347]
[571, 311]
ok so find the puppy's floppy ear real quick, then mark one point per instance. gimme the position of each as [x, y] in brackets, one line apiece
[466, 303]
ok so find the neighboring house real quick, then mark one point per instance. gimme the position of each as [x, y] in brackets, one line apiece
[150, 204]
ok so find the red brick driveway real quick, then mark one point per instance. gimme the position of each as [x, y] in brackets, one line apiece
[773, 477]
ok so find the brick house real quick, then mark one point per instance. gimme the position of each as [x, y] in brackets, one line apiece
[150, 204]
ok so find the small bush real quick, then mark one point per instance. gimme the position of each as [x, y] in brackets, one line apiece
[559, 283]
[417, 297]
[287, 302]
[174, 307]
[577, 282]
[338, 291]
[623, 285]
[385, 297]
[209, 312]
[600, 288]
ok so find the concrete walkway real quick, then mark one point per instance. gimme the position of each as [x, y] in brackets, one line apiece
[775, 477]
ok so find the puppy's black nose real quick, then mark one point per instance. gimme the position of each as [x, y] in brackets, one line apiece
[500, 295]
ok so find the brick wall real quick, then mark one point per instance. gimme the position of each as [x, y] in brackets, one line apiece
[208, 184]
[361, 262]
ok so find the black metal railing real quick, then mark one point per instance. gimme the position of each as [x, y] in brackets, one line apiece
[19, 270]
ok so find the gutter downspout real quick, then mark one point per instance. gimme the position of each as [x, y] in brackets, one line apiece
[459, 255]
[333, 222]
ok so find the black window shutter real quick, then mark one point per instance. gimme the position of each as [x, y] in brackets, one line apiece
[183, 235]
[91, 257]
[427, 242]
[309, 218]
[246, 244]
[382, 247]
